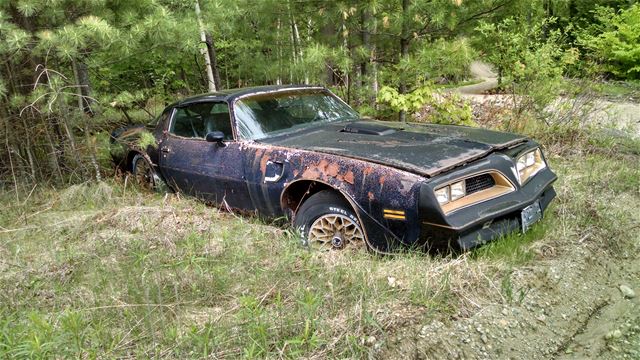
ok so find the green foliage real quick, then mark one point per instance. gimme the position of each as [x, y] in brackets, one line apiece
[443, 108]
[450, 109]
[448, 60]
[147, 139]
[410, 102]
[530, 60]
[615, 41]
[128, 59]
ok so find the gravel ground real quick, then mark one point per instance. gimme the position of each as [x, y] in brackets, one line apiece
[580, 302]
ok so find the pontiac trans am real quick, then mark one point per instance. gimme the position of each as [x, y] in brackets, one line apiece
[344, 181]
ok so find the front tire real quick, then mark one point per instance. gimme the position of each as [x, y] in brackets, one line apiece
[327, 222]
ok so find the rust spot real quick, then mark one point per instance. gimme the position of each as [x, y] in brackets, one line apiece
[322, 165]
[295, 172]
[370, 195]
[367, 171]
[263, 161]
[333, 169]
[321, 170]
[348, 177]
[382, 180]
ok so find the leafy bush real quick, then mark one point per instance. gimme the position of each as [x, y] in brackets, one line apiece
[615, 41]
[439, 107]
[530, 60]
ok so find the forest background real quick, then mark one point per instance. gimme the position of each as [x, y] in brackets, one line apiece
[72, 71]
[92, 266]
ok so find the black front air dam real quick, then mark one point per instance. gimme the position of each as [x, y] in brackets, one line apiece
[436, 236]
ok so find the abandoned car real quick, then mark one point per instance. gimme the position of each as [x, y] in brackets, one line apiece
[345, 181]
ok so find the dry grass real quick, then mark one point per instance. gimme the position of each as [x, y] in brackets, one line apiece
[97, 270]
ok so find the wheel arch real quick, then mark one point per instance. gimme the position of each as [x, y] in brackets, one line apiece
[129, 159]
[159, 181]
[298, 191]
[132, 154]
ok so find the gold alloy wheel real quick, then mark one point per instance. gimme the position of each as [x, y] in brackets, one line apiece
[335, 231]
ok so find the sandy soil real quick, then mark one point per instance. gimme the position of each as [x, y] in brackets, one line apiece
[574, 309]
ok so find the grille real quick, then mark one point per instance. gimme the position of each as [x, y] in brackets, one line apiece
[479, 183]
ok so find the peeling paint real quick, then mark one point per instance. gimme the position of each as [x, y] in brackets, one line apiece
[349, 177]
[369, 165]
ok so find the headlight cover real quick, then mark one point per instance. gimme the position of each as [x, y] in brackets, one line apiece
[529, 164]
[457, 190]
[443, 195]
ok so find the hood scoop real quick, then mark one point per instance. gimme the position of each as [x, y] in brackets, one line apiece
[368, 129]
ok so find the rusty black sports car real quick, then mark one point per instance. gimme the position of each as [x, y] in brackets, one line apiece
[345, 181]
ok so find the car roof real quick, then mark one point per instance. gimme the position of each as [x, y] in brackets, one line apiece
[229, 95]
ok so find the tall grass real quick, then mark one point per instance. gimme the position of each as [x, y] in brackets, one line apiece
[100, 270]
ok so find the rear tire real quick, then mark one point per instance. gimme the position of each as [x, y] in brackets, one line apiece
[143, 173]
[327, 222]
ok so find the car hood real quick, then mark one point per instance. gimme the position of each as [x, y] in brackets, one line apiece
[425, 149]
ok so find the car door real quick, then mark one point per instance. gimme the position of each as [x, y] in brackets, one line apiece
[210, 171]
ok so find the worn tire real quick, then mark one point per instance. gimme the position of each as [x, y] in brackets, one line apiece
[142, 172]
[326, 221]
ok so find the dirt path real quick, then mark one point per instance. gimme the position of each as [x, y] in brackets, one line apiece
[572, 309]
[480, 71]
[623, 116]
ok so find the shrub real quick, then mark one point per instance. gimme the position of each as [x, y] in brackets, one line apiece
[615, 41]
[430, 105]
[530, 60]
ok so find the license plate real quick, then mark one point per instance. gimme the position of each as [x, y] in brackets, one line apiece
[530, 215]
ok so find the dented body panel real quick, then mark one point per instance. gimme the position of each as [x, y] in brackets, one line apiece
[387, 171]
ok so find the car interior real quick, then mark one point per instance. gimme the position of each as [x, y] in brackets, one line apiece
[197, 120]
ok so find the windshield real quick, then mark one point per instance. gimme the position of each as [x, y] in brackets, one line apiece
[266, 115]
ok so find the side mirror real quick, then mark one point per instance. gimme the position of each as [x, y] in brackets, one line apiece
[215, 137]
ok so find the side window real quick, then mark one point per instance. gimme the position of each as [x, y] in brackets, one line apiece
[161, 121]
[197, 120]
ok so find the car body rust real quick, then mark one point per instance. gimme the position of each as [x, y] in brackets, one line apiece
[376, 166]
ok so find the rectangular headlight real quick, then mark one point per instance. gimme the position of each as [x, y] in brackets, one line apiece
[443, 195]
[530, 158]
[457, 190]
[529, 164]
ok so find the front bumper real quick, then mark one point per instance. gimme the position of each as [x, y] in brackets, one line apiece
[480, 223]
[483, 230]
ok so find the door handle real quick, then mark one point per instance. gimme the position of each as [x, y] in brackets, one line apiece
[165, 149]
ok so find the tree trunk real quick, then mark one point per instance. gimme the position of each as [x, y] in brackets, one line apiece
[92, 152]
[374, 64]
[70, 137]
[81, 72]
[295, 37]
[280, 52]
[54, 162]
[83, 77]
[28, 148]
[213, 59]
[9, 151]
[366, 39]
[205, 51]
[345, 44]
[328, 31]
[404, 52]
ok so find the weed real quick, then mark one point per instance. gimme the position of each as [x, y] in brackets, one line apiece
[514, 247]
[94, 270]
[509, 292]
